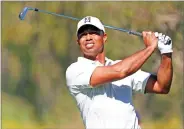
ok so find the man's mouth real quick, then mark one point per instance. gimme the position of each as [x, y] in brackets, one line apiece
[89, 45]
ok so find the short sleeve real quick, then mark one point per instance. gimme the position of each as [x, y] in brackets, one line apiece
[139, 81]
[79, 74]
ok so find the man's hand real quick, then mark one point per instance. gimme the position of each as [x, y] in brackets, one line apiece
[164, 43]
[150, 39]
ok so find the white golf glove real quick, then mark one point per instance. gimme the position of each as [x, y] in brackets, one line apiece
[164, 43]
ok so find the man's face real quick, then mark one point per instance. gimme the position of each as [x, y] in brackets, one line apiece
[91, 40]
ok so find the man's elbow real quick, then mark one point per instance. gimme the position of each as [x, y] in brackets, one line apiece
[166, 90]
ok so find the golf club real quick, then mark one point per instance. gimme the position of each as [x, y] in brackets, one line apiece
[22, 16]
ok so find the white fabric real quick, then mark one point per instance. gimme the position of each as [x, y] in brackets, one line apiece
[164, 43]
[90, 20]
[108, 106]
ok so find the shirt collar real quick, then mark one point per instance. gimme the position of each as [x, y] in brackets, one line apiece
[85, 59]
[107, 61]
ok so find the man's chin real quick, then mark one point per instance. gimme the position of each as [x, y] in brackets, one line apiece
[90, 55]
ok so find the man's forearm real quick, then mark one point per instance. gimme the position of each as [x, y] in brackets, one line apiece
[134, 62]
[165, 72]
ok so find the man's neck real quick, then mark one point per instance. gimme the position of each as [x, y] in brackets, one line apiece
[101, 58]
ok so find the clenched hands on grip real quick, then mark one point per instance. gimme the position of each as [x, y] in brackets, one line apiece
[157, 40]
[150, 40]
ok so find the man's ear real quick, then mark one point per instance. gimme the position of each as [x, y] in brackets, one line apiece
[77, 41]
[104, 37]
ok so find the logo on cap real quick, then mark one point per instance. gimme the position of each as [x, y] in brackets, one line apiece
[87, 19]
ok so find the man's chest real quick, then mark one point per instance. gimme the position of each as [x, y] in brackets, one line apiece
[112, 92]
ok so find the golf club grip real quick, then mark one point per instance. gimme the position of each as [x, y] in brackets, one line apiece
[136, 33]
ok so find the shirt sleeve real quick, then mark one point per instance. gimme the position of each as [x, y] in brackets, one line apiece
[139, 81]
[79, 75]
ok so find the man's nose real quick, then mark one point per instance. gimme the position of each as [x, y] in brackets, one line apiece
[88, 37]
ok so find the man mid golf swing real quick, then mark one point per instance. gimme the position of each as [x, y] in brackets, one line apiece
[103, 88]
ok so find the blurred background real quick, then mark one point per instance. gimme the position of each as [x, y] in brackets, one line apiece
[37, 51]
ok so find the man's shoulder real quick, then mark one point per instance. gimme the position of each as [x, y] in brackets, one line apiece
[72, 67]
[71, 71]
[77, 66]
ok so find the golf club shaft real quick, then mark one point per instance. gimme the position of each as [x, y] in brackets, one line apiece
[24, 12]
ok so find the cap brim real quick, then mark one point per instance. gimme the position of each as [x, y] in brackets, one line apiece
[82, 27]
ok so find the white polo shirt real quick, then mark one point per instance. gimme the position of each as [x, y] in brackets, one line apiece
[108, 106]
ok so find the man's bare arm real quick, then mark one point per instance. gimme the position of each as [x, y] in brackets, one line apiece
[161, 83]
[126, 67]
[122, 69]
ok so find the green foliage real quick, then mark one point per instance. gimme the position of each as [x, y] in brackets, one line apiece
[37, 51]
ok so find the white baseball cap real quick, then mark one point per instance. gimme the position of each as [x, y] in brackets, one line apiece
[90, 20]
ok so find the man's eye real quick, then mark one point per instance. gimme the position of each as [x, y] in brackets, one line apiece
[82, 34]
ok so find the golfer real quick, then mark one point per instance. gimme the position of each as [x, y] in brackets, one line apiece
[103, 88]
